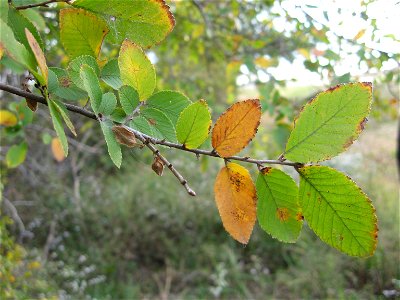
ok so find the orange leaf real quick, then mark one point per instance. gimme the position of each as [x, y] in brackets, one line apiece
[39, 55]
[236, 127]
[57, 149]
[235, 195]
[359, 35]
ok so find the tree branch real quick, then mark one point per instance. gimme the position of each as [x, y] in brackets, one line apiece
[45, 3]
[148, 140]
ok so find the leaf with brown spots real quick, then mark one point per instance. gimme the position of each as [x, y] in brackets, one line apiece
[235, 195]
[236, 127]
[329, 123]
[57, 150]
[39, 55]
[278, 209]
[338, 211]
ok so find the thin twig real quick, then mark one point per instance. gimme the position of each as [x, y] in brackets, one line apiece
[45, 3]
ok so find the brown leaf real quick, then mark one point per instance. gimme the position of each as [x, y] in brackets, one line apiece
[235, 195]
[158, 166]
[39, 55]
[236, 127]
[57, 149]
[124, 136]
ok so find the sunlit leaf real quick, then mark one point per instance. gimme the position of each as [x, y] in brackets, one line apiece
[193, 125]
[171, 103]
[145, 22]
[57, 150]
[7, 118]
[278, 209]
[129, 98]
[236, 127]
[136, 69]
[337, 210]
[16, 155]
[235, 195]
[329, 123]
[81, 32]
[359, 34]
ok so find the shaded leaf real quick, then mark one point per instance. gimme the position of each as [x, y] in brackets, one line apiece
[81, 32]
[118, 115]
[141, 124]
[337, 210]
[16, 155]
[74, 69]
[236, 127]
[62, 86]
[110, 74]
[92, 86]
[64, 114]
[236, 199]
[194, 125]
[114, 149]
[278, 209]
[108, 104]
[57, 150]
[129, 98]
[136, 69]
[329, 123]
[146, 22]
[7, 118]
[171, 103]
[161, 126]
[56, 118]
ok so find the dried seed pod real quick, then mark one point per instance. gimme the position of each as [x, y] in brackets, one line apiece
[158, 166]
[124, 136]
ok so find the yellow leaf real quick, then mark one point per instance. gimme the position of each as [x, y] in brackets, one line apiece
[235, 195]
[236, 127]
[57, 149]
[7, 118]
[39, 55]
[263, 62]
[1, 51]
[359, 35]
[304, 52]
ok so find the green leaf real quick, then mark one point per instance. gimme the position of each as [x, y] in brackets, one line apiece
[129, 98]
[278, 209]
[16, 50]
[61, 85]
[171, 103]
[118, 115]
[18, 23]
[146, 22]
[114, 149]
[141, 124]
[92, 86]
[58, 125]
[16, 155]
[81, 32]
[160, 124]
[194, 124]
[74, 69]
[35, 17]
[64, 114]
[337, 210]
[110, 74]
[329, 123]
[108, 104]
[136, 69]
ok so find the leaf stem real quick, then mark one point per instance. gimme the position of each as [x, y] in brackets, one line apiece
[45, 3]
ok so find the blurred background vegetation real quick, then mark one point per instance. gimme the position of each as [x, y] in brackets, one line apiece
[81, 229]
